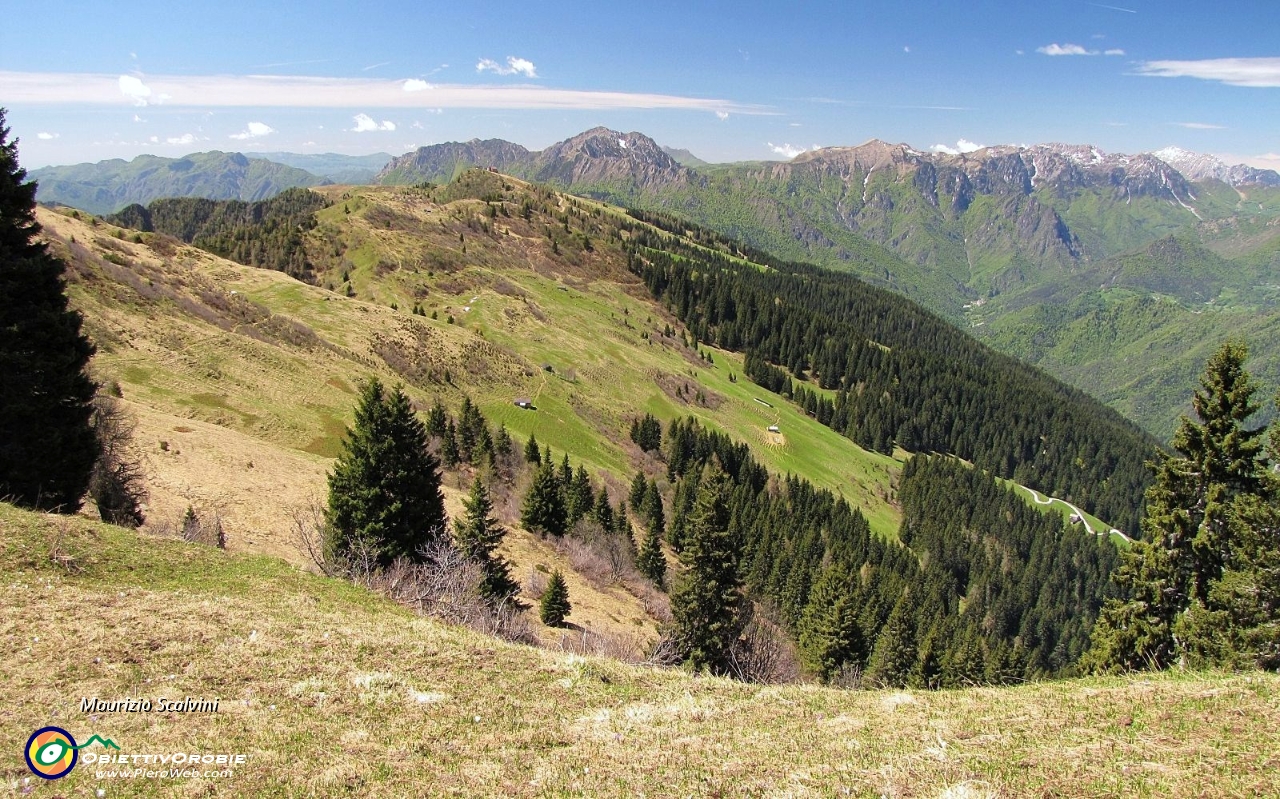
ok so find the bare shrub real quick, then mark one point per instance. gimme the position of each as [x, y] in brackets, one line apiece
[626, 648]
[850, 676]
[762, 652]
[117, 484]
[207, 530]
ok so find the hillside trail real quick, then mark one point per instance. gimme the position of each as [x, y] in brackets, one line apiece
[1039, 500]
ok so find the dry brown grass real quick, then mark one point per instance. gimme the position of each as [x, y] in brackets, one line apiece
[331, 690]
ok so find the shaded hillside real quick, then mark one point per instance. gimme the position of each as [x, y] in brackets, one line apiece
[108, 186]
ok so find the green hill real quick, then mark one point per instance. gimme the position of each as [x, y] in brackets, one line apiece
[108, 186]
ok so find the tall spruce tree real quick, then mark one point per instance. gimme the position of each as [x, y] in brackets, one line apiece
[651, 562]
[894, 655]
[47, 445]
[829, 634]
[1188, 528]
[477, 536]
[704, 605]
[543, 510]
[384, 490]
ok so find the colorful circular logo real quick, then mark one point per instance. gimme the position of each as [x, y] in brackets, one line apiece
[51, 752]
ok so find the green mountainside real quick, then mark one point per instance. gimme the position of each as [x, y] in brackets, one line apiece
[108, 186]
[499, 291]
[976, 238]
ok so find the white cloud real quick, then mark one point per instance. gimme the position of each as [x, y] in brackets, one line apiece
[366, 123]
[962, 146]
[48, 136]
[186, 138]
[1255, 72]
[1113, 51]
[254, 130]
[514, 65]
[790, 151]
[135, 89]
[137, 118]
[1264, 161]
[1199, 126]
[906, 49]
[415, 85]
[1064, 49]
[294, 91]
[722, 115]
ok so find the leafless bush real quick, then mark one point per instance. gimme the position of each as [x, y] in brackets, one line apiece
[536, 583]
[117, 483]
[208, 531]
[762, 653]
[664, 652]
[309, 532]
[626, 648]
[849, 676]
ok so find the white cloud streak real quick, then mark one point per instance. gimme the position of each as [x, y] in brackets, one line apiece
[962, 146]
[254, 130]
[416, 85]
[135, 90]
[790, 151]
[281, 91]
[1056, 49]
[367, 124]
[1200, 126]
[48, 136]
[514, 65]
[1253, 72]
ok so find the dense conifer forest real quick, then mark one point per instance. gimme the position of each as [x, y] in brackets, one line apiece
[884, 372]
[266, 233]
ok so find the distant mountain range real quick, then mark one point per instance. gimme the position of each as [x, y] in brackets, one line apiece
[1054, 252]
[108, 186]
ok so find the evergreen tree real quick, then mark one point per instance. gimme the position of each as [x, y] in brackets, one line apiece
[1188, 528]
[651, 562]
[532, 453]
[502, 445]
[384, 490]
[580, 497]
[450, 453]
[554, 605]
[704, 605]
[543, 510]
[655, 518]
[602, 512]
[47, 445]
[895, 652]
[829, 634]
[437, 418]
[477, 535]
[639, 490]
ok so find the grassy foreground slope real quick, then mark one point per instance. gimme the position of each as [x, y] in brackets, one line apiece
[330, 690]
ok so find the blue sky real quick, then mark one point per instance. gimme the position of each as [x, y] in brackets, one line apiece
[85, 81]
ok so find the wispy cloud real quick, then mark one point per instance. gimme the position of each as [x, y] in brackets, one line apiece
[416, 85]
[254, 130]
[932, 107]
[789, 151]
[177, 141]
[1056, 49]
[1255, 72]
[513, 66]
[366, 124]
[962, 146]
[280, 91]
[1112, 8]
[375, 66]
[48, 136]
[722, 115]
[1200, 126]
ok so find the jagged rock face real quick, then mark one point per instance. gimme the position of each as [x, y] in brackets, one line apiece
[1197, 167]
[601, 155]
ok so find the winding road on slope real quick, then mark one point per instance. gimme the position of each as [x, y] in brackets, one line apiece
[1039, 500]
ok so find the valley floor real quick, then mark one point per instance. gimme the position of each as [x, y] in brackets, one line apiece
[330, 690]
